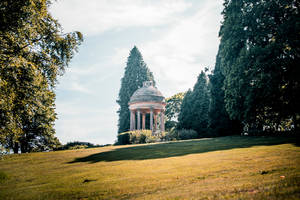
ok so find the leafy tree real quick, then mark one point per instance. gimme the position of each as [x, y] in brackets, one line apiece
[195, 105]
[173, 109]
[260, 53]
[136, 72]
[33, 52]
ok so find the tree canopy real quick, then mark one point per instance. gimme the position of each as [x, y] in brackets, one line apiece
[173, 106]
[194, 107]
[136, 72]
[259, 54]
[33, 53]
[219, 123]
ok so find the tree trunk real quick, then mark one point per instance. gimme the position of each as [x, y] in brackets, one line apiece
[24, 148]
[16, 147]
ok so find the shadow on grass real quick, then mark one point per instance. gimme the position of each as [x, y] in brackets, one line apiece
[171, 149]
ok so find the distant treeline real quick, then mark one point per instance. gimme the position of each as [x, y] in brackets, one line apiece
[79, 145]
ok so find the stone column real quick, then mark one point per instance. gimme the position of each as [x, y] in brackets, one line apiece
[155, 121]
[131, 120]
[151, 119]
[162, 121]
[138, 120]
[143, 121]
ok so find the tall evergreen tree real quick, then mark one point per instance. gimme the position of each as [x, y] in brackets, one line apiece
[229, 50]
[200, 104]
[260, 53]
[185, 116]
[33, 52]
[195, 105]
[136, 72]
[219, 121]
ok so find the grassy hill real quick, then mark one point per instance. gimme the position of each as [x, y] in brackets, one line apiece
[219, 168]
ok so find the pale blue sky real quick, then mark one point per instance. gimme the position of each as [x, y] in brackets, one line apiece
[177, 39]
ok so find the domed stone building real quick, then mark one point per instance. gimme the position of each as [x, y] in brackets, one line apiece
[147, 100]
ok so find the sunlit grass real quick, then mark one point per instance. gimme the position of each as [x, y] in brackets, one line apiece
[220, 168]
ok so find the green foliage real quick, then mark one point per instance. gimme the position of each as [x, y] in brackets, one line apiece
[153, 138]
[136, 72]
[194, 108]
[33, 52]
[259, 54]
[171, 135]
[219, 121]
[141, 137]
[186, 134]
[77, 145]
[173, 109]
[185, 115]
[134, 137]
[123, 138]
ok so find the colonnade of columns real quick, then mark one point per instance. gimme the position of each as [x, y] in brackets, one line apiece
[153, 120]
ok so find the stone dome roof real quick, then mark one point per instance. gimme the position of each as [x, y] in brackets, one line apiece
[147, 93]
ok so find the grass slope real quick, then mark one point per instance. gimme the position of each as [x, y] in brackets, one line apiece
[220, 168]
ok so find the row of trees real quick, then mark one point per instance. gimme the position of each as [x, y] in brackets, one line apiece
[194, 107]
[33, 53]
[254, 84]
[202, 109]
[255, 81]
[258, 57]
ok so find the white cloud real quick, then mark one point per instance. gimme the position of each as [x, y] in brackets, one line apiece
[94, 16]
[86, 123]
[74, 83]
[85, 79]
[179, 55]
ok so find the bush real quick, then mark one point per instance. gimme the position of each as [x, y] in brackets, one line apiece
[145, 136]
[186, 134]
[123, 138]
[139, 137]
[171, 135]
[153, 139]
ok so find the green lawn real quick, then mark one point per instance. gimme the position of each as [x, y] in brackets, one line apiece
[219, 168]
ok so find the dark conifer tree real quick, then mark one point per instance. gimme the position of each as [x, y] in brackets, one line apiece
[200, 104]
[136, 72]
[186, 110]
[219, 121]
[195, 105]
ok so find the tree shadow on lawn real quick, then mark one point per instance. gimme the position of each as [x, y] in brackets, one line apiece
[180, 148]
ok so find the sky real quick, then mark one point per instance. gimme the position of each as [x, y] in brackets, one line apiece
[177, 38]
